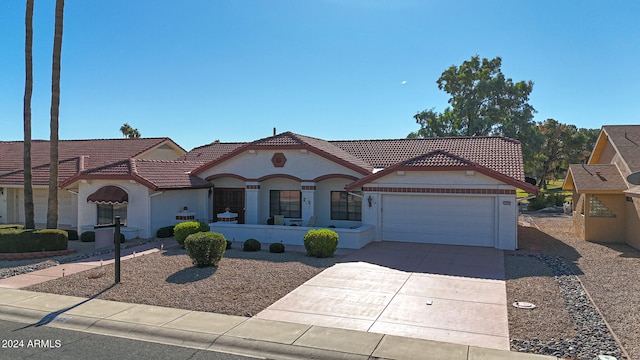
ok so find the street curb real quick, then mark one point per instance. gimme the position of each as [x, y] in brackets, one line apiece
[388, 347]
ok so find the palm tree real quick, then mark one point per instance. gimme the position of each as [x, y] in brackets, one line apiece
[52, 204]
[125, 129]
[29, 216]
[129, 132]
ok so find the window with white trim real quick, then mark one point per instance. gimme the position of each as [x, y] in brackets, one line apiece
[108, 212]
[345, 206]
[285, 202]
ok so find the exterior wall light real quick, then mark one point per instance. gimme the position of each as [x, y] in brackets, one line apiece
[369, 200]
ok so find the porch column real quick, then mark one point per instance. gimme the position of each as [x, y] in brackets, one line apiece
[251, 202]
[308, 200]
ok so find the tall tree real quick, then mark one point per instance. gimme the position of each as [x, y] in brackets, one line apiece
[29, 216]
[129, 132]
[52, 204]
[562, 145]
[483, 102]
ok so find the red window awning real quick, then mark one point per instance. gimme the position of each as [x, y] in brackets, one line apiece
[110, 194]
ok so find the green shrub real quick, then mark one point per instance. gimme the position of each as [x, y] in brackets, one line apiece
[251, 245]
[165, 232]
[321, 242]
[205, 248]
[11, 226]
[121, 237]
[20, 240]
[88, 236]
[182, 230]
[542, 201]
[276, 248]
[73, 235]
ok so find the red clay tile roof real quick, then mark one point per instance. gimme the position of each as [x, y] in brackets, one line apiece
[292, 141]
[438, 158]
[594, 178]
[626, 139]
[155, 174]
[170, 174]
[40, 174]
[210, 152]
[501, 154]
[96, 153]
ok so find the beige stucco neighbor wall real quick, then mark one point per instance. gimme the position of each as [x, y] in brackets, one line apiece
[578, 215]
[632, 220]
[162, 152]
[603, 229]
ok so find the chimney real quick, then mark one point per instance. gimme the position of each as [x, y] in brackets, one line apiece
[274, 131]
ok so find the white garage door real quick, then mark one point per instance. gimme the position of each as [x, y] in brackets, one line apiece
[458, 220]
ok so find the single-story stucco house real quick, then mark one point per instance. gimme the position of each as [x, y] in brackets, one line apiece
[606, 207]
[458, 191]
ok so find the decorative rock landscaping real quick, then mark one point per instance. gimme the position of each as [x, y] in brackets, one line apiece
[593, 336]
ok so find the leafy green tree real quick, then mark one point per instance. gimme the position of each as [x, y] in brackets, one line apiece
[52, 203]
[562, 145]
[483, 102]
[29, 216]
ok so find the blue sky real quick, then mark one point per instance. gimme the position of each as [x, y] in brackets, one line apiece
[198, 71]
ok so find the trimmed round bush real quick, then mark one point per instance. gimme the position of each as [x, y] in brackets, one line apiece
[182, 230]
[251, 245]
[121, 237]
[88, 236]
[165, 232]
[73, 235]
[321, 243]
[205, 248]
[276, 248]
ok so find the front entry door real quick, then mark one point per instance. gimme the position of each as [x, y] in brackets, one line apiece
[229, 198]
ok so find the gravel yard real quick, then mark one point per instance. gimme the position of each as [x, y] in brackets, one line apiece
[545, 271]
[565, 317]
[243, 283]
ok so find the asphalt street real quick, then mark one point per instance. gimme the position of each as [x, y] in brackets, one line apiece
[20, 341]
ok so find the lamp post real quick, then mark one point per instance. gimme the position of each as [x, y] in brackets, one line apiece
[116, 242]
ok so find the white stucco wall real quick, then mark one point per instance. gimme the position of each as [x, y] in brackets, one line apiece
[323, 202]
[165, 205]
[12, 207]
[137, 208]
[306, 166]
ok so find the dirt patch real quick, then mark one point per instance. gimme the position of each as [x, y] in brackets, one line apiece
[530, 280]
[242, 283]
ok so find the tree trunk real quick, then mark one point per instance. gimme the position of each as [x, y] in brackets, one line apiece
[29, 221]
[52, 208]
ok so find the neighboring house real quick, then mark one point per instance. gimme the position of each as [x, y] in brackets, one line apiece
[606, 207]
[444, 190]
[75, 156]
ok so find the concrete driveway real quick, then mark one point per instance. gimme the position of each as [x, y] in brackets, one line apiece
[446, 293]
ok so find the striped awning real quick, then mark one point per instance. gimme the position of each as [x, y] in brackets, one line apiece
[110, 194]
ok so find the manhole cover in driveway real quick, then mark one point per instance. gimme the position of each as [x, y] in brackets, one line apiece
[524, 305]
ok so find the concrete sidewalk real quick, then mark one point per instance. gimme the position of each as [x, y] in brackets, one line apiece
[233, 334]
[54, 272]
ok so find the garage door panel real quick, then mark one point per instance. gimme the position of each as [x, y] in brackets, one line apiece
[459, 220]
